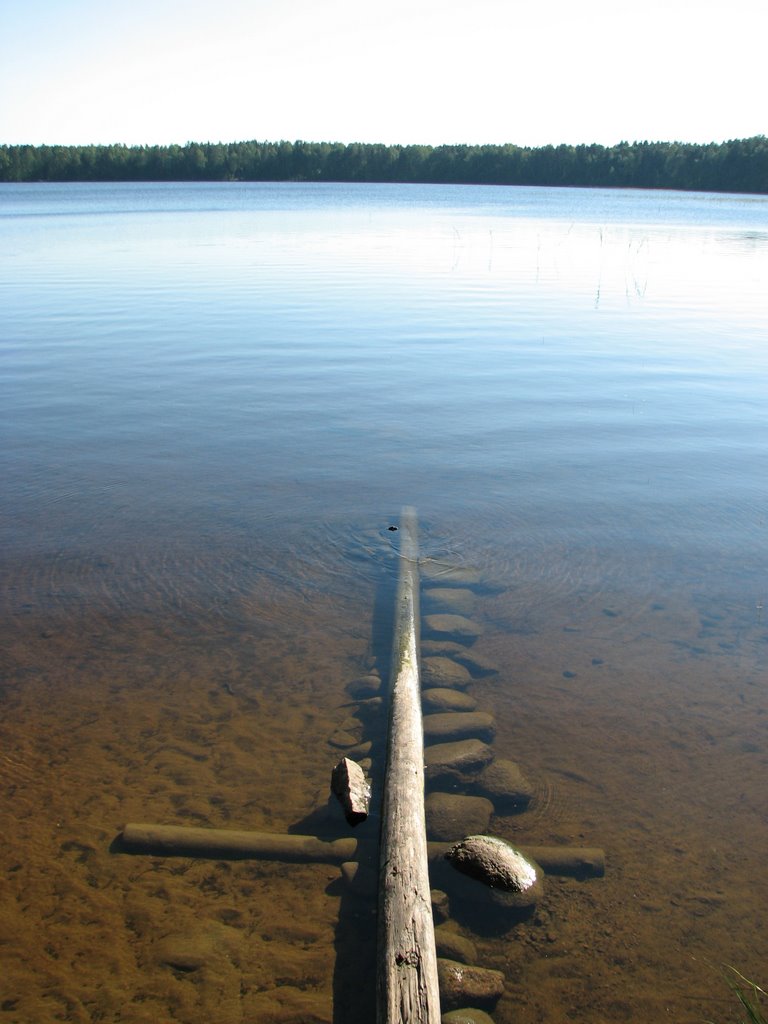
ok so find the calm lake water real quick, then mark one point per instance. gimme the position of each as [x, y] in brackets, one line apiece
[215, 400]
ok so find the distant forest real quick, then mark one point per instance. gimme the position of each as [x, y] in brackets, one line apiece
[740, 165]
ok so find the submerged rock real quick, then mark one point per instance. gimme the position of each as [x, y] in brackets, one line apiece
[466, 1016]
[457, 626]
[459, 725]
[445, 673]
[451, 815]
[510, 879]
[365, 686]
[504, 783]
[447, 575]
[440, 698]
[456, 600]
[462, 985]
[456, 760]
[453, 946]
[476, 663]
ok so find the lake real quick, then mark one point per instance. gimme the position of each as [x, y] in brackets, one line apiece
[216, 399]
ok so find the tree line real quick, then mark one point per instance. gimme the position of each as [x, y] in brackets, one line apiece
[740, 165]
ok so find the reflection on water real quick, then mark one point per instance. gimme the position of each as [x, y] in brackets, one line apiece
[215, 400]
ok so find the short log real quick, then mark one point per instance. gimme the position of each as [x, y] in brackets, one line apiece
[170, 840]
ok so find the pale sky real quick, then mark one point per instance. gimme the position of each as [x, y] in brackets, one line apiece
[408, 71]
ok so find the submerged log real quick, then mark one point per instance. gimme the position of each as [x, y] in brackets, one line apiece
[407, 983]
[166, 840]
[574, 861]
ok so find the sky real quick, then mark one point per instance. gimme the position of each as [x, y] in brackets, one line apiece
[528, 72]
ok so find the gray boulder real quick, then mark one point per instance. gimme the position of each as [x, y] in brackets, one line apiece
[459, 725]
[440, 698]
[506, 877]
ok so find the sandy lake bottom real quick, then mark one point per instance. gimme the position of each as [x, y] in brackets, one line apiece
[622, 710]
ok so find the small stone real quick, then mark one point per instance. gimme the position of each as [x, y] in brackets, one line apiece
[441, 908]
[365, 686]
[462, 985]
[459, 725]
[360, 750]
[505, 784]
[454, 946]
[445, 673]
[451, 815]
[476, 663]
[447, 575]
[466, 1016]
[443, 699]
[456, 760]
[350, 786]
[359, 879]
[457, 626]
[457, 601]
[342, 739]
[511, 880]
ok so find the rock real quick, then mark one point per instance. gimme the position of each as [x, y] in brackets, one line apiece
[451, 815]
[360, 750]
[445, 673]
[459, 725]
[505, 785]
[441, 908]
[352, 789]
[342, 739]
[462, 985]
[457, 626]
[466, 1016]
[189, 951]
[476, 663]
[447, 575]
[448, 599]
[365, 686]
[510, 879]
[442, 699]
[359, 879]
[454, 946]
[456, 760]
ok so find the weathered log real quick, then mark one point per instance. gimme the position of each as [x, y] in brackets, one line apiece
[168, 840]
[407, 984]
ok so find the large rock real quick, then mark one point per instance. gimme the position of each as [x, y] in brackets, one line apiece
[444, 672]
[459, 725]
[456, 761]
[507, 878]
[457, 627]
[442, 699]
[462, 985]
[505, 784]
[451, 815]
[456, 601]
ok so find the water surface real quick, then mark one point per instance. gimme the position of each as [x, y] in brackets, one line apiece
[215, 400]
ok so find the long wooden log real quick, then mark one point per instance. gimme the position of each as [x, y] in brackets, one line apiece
[407, 985]
[219, 842]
